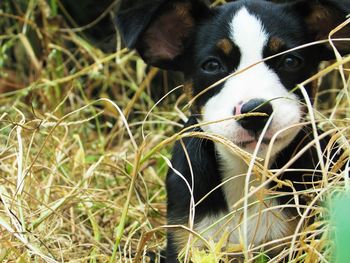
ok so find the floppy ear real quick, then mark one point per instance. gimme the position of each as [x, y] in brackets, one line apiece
[321, 17]
[160, 30]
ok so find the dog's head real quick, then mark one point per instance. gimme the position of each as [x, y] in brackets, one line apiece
[209, 44]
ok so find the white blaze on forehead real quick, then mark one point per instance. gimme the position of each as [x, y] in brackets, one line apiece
[248, 33]
[258, 82]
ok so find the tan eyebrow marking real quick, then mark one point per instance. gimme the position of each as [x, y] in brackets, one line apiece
[225, 45]
[275, 44]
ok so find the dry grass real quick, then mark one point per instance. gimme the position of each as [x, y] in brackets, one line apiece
[84, 148]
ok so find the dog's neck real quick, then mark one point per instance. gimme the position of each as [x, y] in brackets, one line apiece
[234, 173]
[264, 221]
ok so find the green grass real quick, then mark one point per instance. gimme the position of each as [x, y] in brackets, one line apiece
[84, 147]
[340, 221]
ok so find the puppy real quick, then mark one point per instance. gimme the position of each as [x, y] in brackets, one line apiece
[252, 102]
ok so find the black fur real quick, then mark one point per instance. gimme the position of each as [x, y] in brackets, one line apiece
[204, 165]
[186, 50]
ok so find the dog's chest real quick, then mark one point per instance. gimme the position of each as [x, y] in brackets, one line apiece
[265, 219]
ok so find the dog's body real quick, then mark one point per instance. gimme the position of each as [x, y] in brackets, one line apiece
[208, 45]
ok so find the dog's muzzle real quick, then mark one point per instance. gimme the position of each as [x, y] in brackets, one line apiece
[254, 123]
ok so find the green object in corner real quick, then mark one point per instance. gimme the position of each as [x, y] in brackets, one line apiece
[341, 221]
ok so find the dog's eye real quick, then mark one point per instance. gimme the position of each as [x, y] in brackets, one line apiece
[212, 65]
[291, 62]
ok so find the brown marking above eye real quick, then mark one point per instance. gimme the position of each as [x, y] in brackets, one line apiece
[275, 44]
[225, 45]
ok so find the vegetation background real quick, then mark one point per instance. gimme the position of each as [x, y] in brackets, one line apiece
[86, 130]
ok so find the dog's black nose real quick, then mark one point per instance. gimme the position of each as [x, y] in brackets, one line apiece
[255, 123]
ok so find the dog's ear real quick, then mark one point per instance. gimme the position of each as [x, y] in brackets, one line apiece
[321, 17]
[160, 29]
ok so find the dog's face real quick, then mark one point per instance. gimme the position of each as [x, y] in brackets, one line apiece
[242, 36]
[208, 45]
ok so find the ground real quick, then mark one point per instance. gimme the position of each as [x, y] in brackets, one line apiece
[85, 139]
